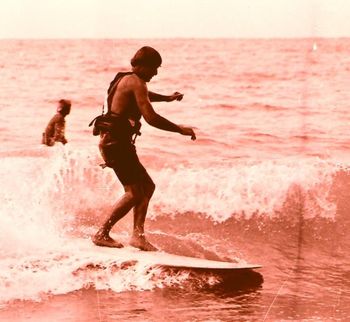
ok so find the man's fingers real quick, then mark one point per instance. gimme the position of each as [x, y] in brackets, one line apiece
[193, 135]
[178, 96]
[188, 131]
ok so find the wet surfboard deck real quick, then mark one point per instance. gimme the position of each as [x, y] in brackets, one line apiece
[167, 260]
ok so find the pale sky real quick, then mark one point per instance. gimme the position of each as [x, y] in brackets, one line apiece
[174, 18]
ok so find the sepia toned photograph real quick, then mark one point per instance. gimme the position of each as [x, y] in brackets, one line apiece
[174, 160]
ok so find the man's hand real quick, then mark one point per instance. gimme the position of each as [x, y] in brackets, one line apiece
[187, 131]
[64, 141]
[175, 96]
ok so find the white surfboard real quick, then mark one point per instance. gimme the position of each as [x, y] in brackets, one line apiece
[163, 259]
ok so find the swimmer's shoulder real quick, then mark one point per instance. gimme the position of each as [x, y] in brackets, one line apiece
[132, 81]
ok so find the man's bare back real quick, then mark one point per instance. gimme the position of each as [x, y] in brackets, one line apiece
[124, 98]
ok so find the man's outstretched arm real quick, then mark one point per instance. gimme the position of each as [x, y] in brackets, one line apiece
[155, 97]
[154, 119]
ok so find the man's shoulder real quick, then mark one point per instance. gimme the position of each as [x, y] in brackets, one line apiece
[134, 81]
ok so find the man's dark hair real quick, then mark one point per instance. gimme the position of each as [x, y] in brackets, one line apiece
[146, 56]
[65, 106]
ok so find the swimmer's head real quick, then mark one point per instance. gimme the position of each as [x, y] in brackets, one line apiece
[64, 107]
[145, 63]
[146, 57]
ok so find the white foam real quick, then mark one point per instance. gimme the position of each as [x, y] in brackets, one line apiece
[70, 268]
[44, 194]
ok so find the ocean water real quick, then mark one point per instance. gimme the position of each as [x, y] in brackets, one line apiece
[267, 181]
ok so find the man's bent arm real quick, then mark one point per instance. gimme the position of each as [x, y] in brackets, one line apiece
[162, 123]
[155, 97]
[148, 113]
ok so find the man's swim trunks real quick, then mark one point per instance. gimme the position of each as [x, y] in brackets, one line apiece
[122, 158]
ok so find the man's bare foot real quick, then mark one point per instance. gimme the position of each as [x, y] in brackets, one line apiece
[142, 243]
[106, 241]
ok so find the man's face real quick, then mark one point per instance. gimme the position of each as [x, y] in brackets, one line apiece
[148, 72]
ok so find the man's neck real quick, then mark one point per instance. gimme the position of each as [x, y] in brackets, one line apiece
[137, 72]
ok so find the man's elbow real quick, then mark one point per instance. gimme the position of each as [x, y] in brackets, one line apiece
[151, 119]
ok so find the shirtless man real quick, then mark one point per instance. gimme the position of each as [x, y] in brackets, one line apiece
[128, 100]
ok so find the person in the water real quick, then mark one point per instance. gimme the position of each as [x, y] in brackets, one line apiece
[128, 100]
[55, 130]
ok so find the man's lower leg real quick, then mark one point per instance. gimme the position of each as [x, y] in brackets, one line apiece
[138, 238]
[122, 207]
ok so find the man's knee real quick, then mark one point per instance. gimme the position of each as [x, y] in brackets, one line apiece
[135, 193]
[140, 192]
[149, 189]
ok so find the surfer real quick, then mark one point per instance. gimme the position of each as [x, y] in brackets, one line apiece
[54, 131]
[129, 99]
